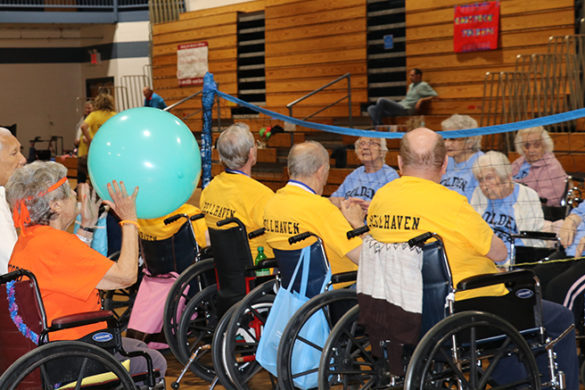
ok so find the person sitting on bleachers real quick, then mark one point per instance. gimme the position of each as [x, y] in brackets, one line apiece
[537, 167]
[506, 206]
[234, 193]
[419, 92]
[462, 154]
[68, 271]
[361, 185]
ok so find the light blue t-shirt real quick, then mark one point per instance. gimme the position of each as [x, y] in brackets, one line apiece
[499, 214]
[580, 233]
[523, 171]
[360, 184]
[459, 176]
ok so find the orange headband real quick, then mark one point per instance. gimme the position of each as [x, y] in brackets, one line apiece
[20, 213]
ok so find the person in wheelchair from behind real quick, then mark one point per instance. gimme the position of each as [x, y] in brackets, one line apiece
[537, 167]
[234, 193]
[68, 271]
[416, 203]
[298, 207]
[506, 206]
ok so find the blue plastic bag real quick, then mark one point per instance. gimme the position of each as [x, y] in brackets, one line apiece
[99, 240]
[286, 303]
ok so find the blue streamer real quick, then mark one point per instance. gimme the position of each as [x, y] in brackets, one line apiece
[207, 99]
[496, 129]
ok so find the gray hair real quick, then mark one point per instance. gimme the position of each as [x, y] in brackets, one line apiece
[383, 145]
[495, 160]
[33, 179]
[546, 139]
[306, 158]
[462, 122]
[234, 145]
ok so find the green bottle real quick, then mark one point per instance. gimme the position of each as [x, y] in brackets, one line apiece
[259, 257]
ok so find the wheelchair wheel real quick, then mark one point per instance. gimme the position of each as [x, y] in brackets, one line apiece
[489, 352]
[61, 362]
[333, 304]
[242, 337]
[218, 350]
[194, 279]
[121, 301]
[346, 361]
[196, 328]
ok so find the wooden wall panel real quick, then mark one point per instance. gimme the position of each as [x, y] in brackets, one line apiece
[308, 44]
[458, 77]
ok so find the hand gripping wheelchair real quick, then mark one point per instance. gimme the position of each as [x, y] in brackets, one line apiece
[29, 360]
[461, 347]
[239, 331]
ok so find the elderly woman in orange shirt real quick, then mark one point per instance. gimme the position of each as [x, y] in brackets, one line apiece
[68, 271]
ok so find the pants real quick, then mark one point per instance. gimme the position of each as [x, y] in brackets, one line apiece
[385, 107]
[138, 364]
[556, 318]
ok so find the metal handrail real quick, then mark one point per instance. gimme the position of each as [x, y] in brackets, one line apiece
[169, 108]
[347, 76]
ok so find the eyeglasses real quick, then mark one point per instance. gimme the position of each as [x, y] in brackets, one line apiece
[371, 144]
[531, 144]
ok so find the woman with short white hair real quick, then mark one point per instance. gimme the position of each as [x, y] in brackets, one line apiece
[506, 206]
[462, 152]
[537, 167]
[361, 184]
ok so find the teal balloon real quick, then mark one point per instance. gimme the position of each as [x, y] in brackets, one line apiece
[151, 149]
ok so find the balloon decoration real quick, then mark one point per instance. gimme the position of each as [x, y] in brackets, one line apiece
[151, 149]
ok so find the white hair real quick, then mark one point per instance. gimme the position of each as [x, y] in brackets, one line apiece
[495, 160]
[546, 139]
[462, 122]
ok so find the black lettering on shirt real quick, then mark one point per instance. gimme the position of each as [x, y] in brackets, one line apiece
[393, 222]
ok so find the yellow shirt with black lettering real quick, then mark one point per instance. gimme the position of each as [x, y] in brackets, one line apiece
[237, 195]
[294, 210]
[155, 228]
[409, 206]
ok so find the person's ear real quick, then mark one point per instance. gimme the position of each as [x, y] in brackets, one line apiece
[444, 165]
[56, 206]
[399, 164]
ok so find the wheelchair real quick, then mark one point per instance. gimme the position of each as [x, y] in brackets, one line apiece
[458, 346]
[29, 360]
[234, 277]
[239, 331]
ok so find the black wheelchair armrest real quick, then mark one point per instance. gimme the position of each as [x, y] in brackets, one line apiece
[485, 280]
[536, 235]
[344, 277]
[266, 263]
[81, 319]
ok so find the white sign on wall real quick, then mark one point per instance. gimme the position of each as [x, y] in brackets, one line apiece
[191, 63]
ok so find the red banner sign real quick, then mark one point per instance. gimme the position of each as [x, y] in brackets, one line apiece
[476, 26]
[191, 63]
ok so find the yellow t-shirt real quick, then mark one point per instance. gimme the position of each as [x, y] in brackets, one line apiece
[295, 210]
[237, 195]
[409, 206]
[155, 228]
[94, 120]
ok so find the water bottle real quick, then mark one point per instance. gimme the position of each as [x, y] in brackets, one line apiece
[261, 256]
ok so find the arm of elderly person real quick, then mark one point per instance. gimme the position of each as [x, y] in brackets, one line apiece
[498, 251]
[125, 271]
[355, 216]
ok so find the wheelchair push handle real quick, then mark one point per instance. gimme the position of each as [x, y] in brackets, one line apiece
[196, 216]
[256, 233]
[14, 275]
[357, 232]
[299, 237]
[230, 220]
[174, 218]
[420, 240]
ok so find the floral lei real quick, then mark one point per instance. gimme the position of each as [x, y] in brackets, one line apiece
[13, 308]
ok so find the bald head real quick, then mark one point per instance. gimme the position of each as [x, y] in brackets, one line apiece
[305, 159]
[10, 155]
[422, 150]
